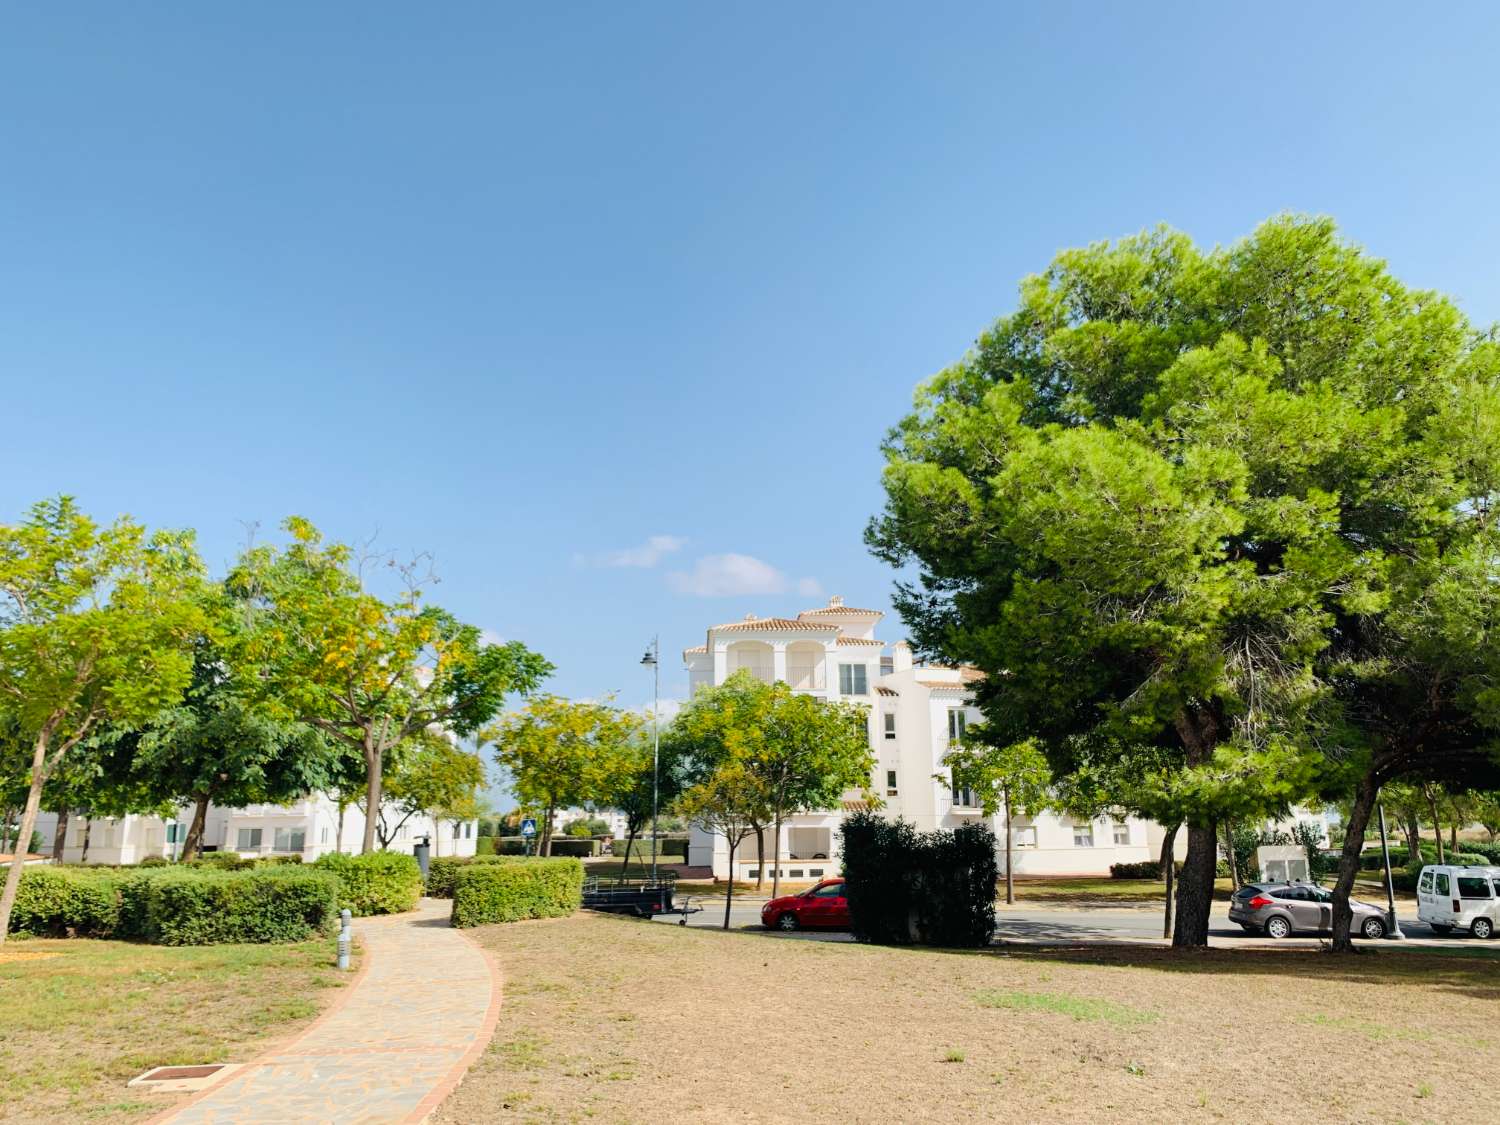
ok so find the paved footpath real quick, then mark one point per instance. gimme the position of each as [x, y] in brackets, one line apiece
[422, 1010]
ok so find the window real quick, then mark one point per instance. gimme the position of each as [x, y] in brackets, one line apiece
[852, 680]
[401, 832]
[830, 890]
[889, 719]
[887, 665]
[1442, 883]
[963, 797]
[957, 722]
[176, 833]
[468, 830]
[1025, 837]
[290, 839]
[1122, 834]
[1426, 885]
[247, 839]
[890, 783]
[323, 834]
[1497, 887]
[1083, 835]
[1471, 887]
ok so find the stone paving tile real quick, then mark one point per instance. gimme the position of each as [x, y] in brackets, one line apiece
[420, 1007]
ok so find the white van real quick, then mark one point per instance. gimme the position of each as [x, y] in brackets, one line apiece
[1466, 898]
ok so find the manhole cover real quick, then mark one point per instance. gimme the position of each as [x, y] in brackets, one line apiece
[175, 1079]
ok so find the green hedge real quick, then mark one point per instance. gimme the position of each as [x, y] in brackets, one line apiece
[485, 845]
[442, 872]
[509, 892]
[177, 906]
[375, 882]
[1147, 869]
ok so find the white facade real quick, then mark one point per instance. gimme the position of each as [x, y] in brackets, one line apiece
[914, 712]
[308, 828]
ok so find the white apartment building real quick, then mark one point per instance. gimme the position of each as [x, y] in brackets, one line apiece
[913, 712]
[309, 828]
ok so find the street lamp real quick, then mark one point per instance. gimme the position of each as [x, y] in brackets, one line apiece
[1392, 927]
[652, 659]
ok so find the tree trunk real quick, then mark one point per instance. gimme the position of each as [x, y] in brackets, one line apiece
[5, 819]
[629, 843]
[1453, 833]
[729, 890]
[88, 829]
[1366, 792]
[1437, 825]
[1195, 890]
[547, 831]
[760, 843]
[60, 837]
[1168, 869]
[338, 836]
[23, 833]
[374, 756]
[775, 860]
[194, 842]
[1010, 882]
[1234, 865]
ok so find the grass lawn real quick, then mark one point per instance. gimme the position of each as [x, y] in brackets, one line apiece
[612, 1019]
[79, 1019]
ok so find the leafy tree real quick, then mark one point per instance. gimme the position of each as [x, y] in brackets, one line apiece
[562, 753]
[431, 776]
[645, 781]
[367, 672]
[94, 628]
[806, 754]
[1194, 510]
[1486, 812]
[1009, 779]
[729, 800]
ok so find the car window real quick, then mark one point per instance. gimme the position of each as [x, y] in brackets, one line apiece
[1472, 886]
[1442, 882]
[1497, 888]
[1426, 884]
[1289, 894]
[832, 890]
[1319, 894]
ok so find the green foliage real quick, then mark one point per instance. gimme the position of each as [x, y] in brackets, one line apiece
[935, 888]
[175, 905]
[586, 826]
[1147, 869]
[442, 871]
[484, 845]
[220, 861]
[562, 753]
[509, 892]
[375, 882]
[576, 847]
[429, 775]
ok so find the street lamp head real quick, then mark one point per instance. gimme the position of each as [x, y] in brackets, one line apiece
[649, 659]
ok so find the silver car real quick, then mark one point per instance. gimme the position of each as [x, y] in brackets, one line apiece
[1280, 910]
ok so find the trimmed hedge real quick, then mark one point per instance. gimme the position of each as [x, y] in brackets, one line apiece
[177, 906]
[905, 886]
[375, 882]
[442, 871]
[1147, 869]
[561, 846]
[509, 892]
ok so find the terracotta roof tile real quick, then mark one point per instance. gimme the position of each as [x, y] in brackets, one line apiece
[696, 649]
[887, 691]
[860, 641]
[942, 685]
[840, 610]
[772, 625]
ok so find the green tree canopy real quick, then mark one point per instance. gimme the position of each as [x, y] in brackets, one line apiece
[1170, 504]
[431, 777]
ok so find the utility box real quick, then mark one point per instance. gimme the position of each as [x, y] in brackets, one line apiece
[422, 851]
[1281, 863]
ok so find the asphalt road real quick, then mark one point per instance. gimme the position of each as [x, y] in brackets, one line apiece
[1065, 924]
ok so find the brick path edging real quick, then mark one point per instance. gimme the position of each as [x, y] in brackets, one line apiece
[450, 1082]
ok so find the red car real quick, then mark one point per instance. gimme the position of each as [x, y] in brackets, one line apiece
[822, 908]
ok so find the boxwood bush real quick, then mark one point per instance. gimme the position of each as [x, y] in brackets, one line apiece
[509, 892]
[1146, 869]
[67, 902]
[442, 871]
[904, 886]
[374, 883]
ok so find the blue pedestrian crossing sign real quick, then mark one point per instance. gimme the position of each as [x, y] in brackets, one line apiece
[528, 826]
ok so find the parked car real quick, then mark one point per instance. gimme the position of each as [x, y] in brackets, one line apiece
[1280, 910]
[1463, 898]
[824, 907]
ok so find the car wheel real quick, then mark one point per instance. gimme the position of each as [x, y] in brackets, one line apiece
[1440, 929]
[1482, 928]
[1372, 928]
[788, 922]
[1278, 928]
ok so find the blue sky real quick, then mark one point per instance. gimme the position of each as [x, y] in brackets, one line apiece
[589, 300]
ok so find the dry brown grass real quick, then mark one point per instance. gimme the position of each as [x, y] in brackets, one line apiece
[79, 1019]
[617, 1020]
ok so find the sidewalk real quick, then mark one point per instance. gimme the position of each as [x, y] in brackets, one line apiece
[422, 1010]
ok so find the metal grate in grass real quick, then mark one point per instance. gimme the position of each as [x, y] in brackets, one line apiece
[1083, 1008]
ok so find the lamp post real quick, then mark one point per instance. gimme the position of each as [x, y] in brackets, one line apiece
[1392, 927]
[653, 660]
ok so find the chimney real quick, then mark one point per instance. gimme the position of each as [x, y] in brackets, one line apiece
[835, 602]
[901, 657]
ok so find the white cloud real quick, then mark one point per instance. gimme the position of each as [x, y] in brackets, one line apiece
[809, 588]
[719, 576]
[648, 554]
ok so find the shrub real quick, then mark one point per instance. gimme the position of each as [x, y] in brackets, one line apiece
[484, 845]
[571, 845]
[509, 892]
[67, 902]
[1147, 869]
[376, 882]
[277, 860]
[935, 888]
[153, 861]
[221, 861]
[442, 871]
[209, 907]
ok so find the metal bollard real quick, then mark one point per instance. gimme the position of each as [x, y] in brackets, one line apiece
[346, 939]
